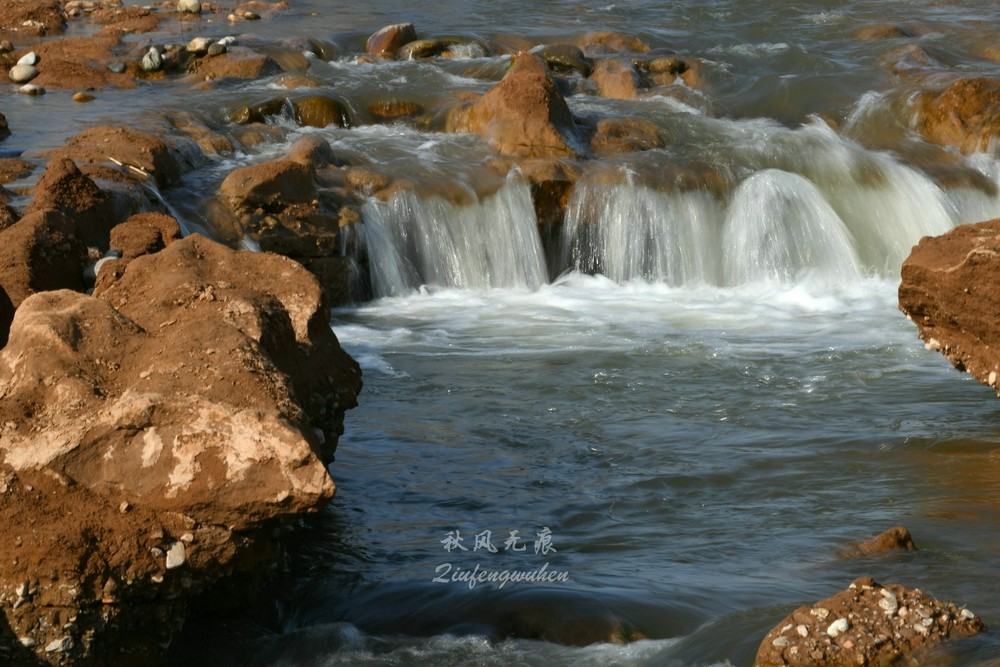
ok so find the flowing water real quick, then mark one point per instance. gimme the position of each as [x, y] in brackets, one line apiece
[687, 404]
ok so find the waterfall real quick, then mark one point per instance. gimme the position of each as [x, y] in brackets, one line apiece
[413, 241]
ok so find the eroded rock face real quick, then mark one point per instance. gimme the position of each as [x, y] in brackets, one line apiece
[196, 399]
[524, 115]
[966, 114]
[866, 624]
[948, 291]
[63, 187]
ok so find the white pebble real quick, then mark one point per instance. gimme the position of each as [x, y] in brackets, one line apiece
[802, 630]
[838, 626]
[967, 615]
[22, 73]
[59, 645]
[31, 89]
[189, 6]
[780, 642]
[31, 58]
[176, 555]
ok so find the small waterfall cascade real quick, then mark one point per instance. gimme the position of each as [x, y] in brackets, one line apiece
[413, 241]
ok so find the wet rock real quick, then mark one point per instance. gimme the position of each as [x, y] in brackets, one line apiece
[199, 45]
[896, 538]
[313, 151]
[64, 188]
[524, 115]
[12, 168]
[152, 61]
[82, 97]
[947, 291]
[565, 58]
[616, 78]
[389, 39]
[236, 63]
[22, 73]
[319, 111]
[395, 109]
[615, 136]
[865, 625]
[142, 234]
[4, 128]
[269, 185]
[423, 49]
[874, 32]
[607, 42]
[31, 89]
[966, 114]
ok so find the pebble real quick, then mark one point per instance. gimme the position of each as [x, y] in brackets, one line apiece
[59, 645]
[216, 49]
[228, 40]
[189, 6]
[152, 61]
[251, 16]
[22, 73]
[27, 642]
[199, 45]
[30, 58]
[124, 507]
[176, 555]
[31, 89]
[838, 626]
[83, 97]
[802, 630]
[117, 67]
[6, 46]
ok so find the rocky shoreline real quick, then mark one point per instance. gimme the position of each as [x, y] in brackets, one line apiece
[170, 404]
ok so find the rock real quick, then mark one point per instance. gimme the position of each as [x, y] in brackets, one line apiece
[82, 97]
[615, 136]
[319, 111]
[31, 89]
[394, 109]
[12, 169]
[142, 234]
[423, 49]
[966, 114]
[37, 253]
[4, 128]
[313, 151]
[22, 73]
[389, 39]
[524, 115]
[199, 45]
[616, 78]
[236, 63]
[32, 16]
[896, 538]
[152, 61]
[215, 49]
[947, 291]
[173, 395]
[565, 58]
[873, 32]
[117, 67]
[268, 185]
[856, 627]
[64, 188]
[606, 41]
[148, 154]
[30, 59]
[6, 46]
[189, 6]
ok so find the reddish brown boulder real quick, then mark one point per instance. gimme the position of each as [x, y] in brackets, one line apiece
[151, 438]
[615, 136]
[873, 32]
[269, 184]
[37, 253]
[32, 17]
[237, 63]
[604, 42]
[390, 39]
[12, 168]
[966, 114]
[144, 154]
[894, 539]
[616, 78]
[867, 624]
[947, 290]
[142, 234]
[524, 115]
[63, 187]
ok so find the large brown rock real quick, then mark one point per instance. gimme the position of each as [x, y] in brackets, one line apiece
[616, 78]
[63, 187]
[39, 252]
[144, 154]
[524, 115]
[866, 624]
[948, 291]
[389, 39]
[966, 114]
[32, 17]
[237, 63]
[166, 423]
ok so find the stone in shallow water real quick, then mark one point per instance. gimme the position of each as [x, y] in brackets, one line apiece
[189, 6]
[152, 61]
[22, 73]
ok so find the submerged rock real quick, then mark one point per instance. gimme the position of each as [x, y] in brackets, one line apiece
[966, 115]
[390, 39]
[948, 291]
[866, 624]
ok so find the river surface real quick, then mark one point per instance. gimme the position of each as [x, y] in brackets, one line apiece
[688, 406]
